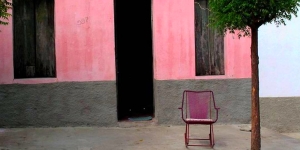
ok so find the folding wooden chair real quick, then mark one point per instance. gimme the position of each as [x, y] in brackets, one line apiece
[198, 107]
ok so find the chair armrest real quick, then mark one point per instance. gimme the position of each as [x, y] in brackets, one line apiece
[217, 108]
[217, 113]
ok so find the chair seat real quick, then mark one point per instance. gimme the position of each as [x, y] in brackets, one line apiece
[201, 121]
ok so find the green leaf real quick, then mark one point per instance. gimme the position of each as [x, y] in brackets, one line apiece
[231, 15]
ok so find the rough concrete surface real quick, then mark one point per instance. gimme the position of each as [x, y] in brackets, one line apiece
[227, 137]
[58, 104]
[95, 103]
[281, 114]
[295, 135]
[233, 96]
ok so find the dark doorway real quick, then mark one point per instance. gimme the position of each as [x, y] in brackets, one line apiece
[134, 60]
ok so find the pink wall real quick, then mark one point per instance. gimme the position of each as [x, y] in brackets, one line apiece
[237, 56]
[174, 50]
[84, 41]
[6, 53]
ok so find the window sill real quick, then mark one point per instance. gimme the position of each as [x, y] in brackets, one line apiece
[35, 80]
[213, 77]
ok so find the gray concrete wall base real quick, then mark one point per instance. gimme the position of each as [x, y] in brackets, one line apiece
[233, 96]
[58, 104]
[95, 103]
[280, 113]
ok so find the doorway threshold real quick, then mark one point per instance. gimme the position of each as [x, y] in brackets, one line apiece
[140, 118]
[127, 123]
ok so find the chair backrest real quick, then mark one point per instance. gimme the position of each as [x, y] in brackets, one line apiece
[198, 104]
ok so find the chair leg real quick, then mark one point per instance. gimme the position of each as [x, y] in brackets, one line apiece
[210, 141]
[211, 136]
[186, 135]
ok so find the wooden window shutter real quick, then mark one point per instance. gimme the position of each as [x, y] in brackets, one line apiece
[34, 45]
[209, 45]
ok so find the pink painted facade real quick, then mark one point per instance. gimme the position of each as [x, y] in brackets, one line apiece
[174, 50]
[85, 47]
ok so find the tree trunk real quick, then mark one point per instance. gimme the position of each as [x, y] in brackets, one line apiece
[255, 114]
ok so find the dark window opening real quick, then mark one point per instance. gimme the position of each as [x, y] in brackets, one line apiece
[208, 44]
[34, 45]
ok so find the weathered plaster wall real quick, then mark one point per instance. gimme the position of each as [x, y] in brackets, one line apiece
[84, 47]
[58, 104]
[6, 53]
[280, 113]
[84, 40]
[279, 69]
[84, 43]
[174, 44]
[174, 71]
[231, 95]
[279, 55]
